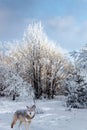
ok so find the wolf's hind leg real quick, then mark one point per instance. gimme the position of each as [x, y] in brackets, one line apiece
[14, 121]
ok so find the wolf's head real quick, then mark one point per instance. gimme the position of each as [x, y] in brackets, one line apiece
[31, 111]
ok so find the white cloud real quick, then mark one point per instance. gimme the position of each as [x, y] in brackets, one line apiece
[69, 31]
[61, 22]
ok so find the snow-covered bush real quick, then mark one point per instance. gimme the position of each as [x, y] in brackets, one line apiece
[11, 84]
[76, 92]
[78, 99]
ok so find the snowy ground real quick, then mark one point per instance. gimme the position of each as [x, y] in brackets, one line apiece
[54, 116]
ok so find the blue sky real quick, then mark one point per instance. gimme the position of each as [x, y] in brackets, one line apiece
[64, 21]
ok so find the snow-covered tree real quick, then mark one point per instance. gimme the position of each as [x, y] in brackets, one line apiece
[77, 84]
[40, 62]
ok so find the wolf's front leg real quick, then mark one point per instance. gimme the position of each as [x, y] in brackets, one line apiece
[20, 125]
[28, 126]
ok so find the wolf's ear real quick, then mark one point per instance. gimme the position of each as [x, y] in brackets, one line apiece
[32, 107]
[27, 107]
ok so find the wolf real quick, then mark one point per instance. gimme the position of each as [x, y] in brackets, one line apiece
[24, 116]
